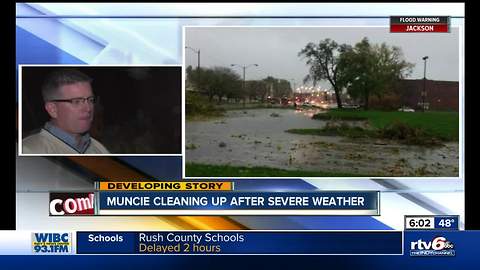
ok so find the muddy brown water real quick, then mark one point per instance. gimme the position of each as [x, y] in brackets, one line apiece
[257, 137]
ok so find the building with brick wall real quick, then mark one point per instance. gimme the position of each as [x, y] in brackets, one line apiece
[441, 95]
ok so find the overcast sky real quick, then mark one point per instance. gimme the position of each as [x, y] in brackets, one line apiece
[275, 49]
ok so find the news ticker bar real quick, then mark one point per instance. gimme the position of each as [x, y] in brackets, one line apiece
[215, 203]
[240, 242]
[411, 243]
[419, 24]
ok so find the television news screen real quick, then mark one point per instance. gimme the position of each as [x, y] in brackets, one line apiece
[189, 130]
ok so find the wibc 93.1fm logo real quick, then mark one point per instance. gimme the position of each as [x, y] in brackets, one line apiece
[71, 204]
[51, 243]
[439, 246]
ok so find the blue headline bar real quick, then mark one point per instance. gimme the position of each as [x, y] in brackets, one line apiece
[340, 200]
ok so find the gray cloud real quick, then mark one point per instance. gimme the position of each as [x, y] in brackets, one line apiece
[275, 49]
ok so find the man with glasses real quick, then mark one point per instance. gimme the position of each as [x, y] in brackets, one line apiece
[69, 101]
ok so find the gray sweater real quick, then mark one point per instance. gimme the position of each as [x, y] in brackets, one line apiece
[45, 143]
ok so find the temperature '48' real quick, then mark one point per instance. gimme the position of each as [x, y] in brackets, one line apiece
[446, 223]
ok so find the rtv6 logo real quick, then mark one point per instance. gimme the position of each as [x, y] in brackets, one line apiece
[438, 243]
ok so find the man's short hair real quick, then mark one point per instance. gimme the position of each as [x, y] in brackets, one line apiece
[60, 78]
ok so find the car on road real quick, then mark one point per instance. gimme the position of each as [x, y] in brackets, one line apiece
[307, 104]
[406, 109]
[351, 106]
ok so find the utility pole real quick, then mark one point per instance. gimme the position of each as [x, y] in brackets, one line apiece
[244, 68]
[424, 92]
[198, 56]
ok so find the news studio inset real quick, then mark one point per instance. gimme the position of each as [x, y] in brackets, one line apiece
[283, 130]
[100, 110]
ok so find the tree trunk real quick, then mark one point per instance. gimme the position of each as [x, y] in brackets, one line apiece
[367, 95]
[337, 96]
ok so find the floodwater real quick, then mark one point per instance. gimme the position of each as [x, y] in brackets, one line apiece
[257, 137]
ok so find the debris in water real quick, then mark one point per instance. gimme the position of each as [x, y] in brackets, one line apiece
[379, 142]
[191, 146]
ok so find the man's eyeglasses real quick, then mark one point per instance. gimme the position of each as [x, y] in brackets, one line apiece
[77, 101]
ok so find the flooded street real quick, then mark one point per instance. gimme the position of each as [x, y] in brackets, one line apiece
[257, 137]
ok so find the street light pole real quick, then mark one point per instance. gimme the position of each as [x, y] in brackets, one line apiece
[424, 93]
[244, 68]
[198, 55]
[244, 79]
[293, 86]
[198, 59]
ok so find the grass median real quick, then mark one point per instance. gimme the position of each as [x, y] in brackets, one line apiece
[443, 125]
[418, 128]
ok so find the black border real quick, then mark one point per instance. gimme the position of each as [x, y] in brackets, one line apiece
[471, 213]
[7, 198]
